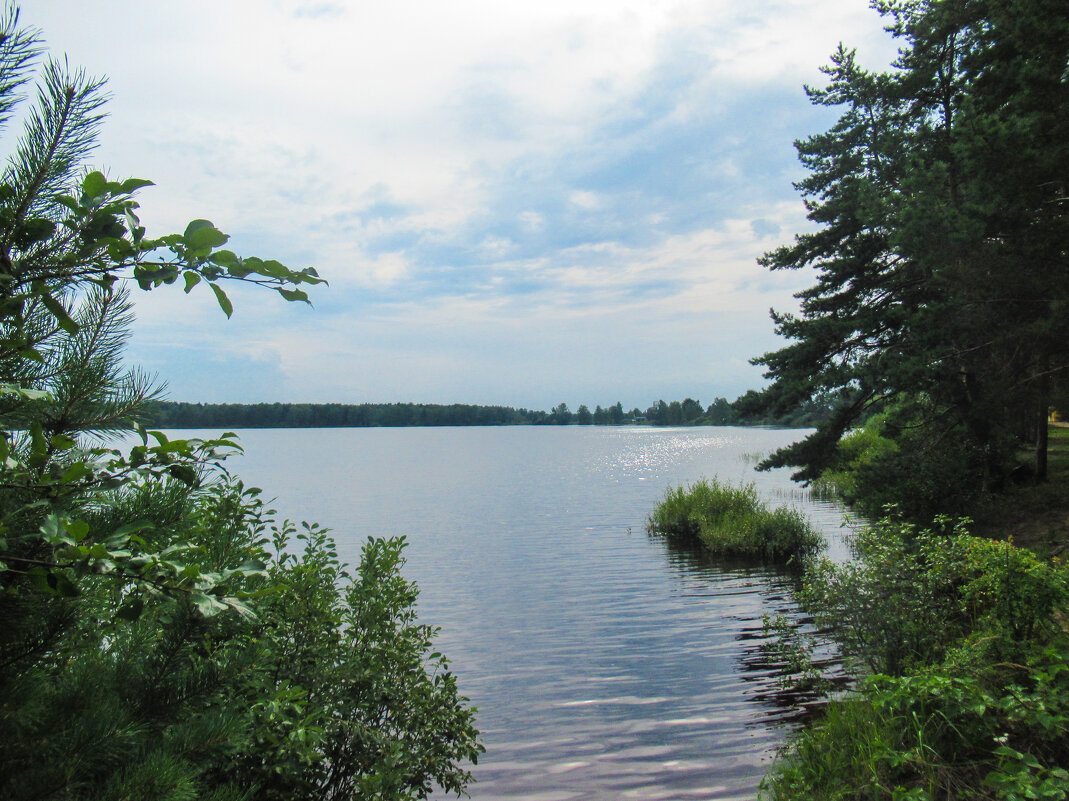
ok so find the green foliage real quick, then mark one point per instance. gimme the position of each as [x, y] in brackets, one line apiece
[965, 645]
[152, 645]
[992, 732]
[940, 215]
[168, 414]
[732, 521]
[855, 452]
[911, 593]
[893, 459]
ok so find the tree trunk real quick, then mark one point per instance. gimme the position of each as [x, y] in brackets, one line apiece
[1042, 414]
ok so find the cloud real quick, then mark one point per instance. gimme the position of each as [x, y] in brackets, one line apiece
[512, 202]
[318, 11]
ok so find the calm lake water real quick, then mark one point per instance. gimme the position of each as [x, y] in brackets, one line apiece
[605, 664]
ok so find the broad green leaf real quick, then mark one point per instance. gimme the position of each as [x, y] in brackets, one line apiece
[184, 473]
[62, 442]
[192, 279]
[76, 471]
[119, 249]
[38, 445]
[196, 225]
[67, 201]
[94, 184]
[52, 582]
[224, 301]
[78, 530]
[273, 269]
[293, 294]
[224, 258]
[206, 238]
[182, 446]
[131, 610]
[55, 532]
[133, 184]
[28, 394]
[206, 604]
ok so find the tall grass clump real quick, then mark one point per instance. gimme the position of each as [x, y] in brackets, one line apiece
[732, 521]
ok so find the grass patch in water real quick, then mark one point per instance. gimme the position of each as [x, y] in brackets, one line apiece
[732, 521]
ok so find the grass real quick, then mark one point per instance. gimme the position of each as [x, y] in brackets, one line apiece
[731, 521]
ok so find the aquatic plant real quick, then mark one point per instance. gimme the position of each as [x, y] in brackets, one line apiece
[732, 521]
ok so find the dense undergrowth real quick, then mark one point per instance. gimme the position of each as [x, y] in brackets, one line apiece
[732, 521]
[964, 654]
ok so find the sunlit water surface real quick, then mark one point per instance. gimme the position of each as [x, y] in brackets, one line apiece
[605, 664]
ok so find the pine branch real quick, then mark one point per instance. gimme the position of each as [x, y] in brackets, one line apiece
[19, 48]
[60, 132]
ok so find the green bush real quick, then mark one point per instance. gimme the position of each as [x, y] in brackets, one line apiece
[994, 731]
[861, 447]
[968, 692]
[911, 594]
[894, 460]
[732, 521]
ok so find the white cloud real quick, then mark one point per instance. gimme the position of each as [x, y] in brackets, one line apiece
[531, 220]
[375, 141]
[588, 201]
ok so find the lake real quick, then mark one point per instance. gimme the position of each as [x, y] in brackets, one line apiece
[605, 664]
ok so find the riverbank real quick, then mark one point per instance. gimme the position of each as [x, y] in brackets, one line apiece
[958, 636]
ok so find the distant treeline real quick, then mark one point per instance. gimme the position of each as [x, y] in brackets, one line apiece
[743, 411]
[168, 414]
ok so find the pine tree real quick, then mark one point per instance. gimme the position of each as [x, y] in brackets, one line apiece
[941, 246]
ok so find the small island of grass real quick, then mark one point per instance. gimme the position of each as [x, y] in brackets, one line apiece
[731, 521]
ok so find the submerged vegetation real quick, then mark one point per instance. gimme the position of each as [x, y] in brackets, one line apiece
[732, 521]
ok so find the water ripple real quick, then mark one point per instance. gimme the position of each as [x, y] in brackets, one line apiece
[606, 664]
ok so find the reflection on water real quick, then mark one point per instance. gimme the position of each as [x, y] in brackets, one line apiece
[606, 664]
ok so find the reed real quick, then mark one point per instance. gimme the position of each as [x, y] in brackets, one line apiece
[732, 521]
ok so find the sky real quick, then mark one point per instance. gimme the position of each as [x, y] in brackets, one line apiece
[513, 203]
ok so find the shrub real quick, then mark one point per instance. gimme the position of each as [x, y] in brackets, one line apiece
[994, 731]
[731, 521]
[912, 593]
[892, 459]
[969, 692]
